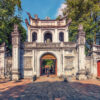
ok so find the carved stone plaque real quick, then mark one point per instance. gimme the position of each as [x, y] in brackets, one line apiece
[14, 40]
[68, 63]
[82, 40]
[27, 62]
[28, 52]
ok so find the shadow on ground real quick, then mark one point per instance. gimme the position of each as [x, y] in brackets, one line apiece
[52, 91]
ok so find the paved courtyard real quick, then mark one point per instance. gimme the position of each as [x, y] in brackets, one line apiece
[50, 88]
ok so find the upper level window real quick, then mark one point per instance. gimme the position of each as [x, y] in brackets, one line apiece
[61, 36]
[34, 36]
[48, 38]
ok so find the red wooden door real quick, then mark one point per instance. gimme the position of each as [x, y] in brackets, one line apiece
[98, 69]
[56, 67]
[40, 67]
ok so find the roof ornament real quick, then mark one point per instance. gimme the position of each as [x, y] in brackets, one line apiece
[47, 18]
[26, 21]
[29, 15]
[60, 16]
[36, 16]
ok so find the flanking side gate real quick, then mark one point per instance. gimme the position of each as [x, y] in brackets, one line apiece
[98, 69]
[8, 68]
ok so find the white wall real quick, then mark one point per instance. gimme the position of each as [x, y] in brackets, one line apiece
[54, 31]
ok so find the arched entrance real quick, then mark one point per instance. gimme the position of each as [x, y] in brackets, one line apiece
[48, 62]
[98, 68]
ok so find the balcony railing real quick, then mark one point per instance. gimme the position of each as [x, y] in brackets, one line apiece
[30, 45]
[96, 48]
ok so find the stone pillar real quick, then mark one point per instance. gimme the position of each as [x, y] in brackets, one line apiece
[95, 58]
[29, 34]
[39, 36]
[15, 54]
[81, 75]
[66, 37]
[2, 61]
[55, 36]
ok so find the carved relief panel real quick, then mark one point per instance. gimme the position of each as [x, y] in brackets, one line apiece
[68, 63]
[82, 40]
[15, 40]
[27, 62]
[28, 53]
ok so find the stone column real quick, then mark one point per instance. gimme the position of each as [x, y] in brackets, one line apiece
[29, 34]
[66, 37]
[55, 36]
[2, 61]
[81, 75]
[39, 36]
[15, 54]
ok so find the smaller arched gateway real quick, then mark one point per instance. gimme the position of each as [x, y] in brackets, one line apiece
[98, 69]
[48, 62]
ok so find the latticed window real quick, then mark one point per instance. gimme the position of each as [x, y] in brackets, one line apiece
[61, 36]
[34, 36]
[48, 38]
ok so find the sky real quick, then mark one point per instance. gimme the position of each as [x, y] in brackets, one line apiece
[43, 8]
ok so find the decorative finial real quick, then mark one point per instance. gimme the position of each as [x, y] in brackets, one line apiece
[15, 27]
[60, 16]
[29, 15]
[80, 28]
[26, 21]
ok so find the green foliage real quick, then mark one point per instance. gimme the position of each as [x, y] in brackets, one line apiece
[48, 62]
[8, 19]
[84, 12]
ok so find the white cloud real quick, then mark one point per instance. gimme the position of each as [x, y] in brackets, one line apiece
[59, 11]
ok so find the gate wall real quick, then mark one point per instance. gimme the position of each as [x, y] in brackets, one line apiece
[2, 60]
[8, 68]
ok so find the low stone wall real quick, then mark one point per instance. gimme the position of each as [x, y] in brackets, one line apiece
[88, 63]
[8, 68]
[2, 60]
[88, 67]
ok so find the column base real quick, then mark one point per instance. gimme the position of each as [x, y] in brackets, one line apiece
[28, 73]
[2, 76]
[81, 75]
[15, 75]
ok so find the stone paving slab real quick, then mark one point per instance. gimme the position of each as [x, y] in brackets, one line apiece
[50, 89]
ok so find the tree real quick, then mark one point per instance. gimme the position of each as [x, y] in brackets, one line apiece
[84, 12]
[49, 62]
[8, 19]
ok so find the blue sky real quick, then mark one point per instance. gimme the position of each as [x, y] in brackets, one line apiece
[43, 8]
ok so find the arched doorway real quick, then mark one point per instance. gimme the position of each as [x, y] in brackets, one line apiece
[48, 61]
[98, 68]
[48, 38]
